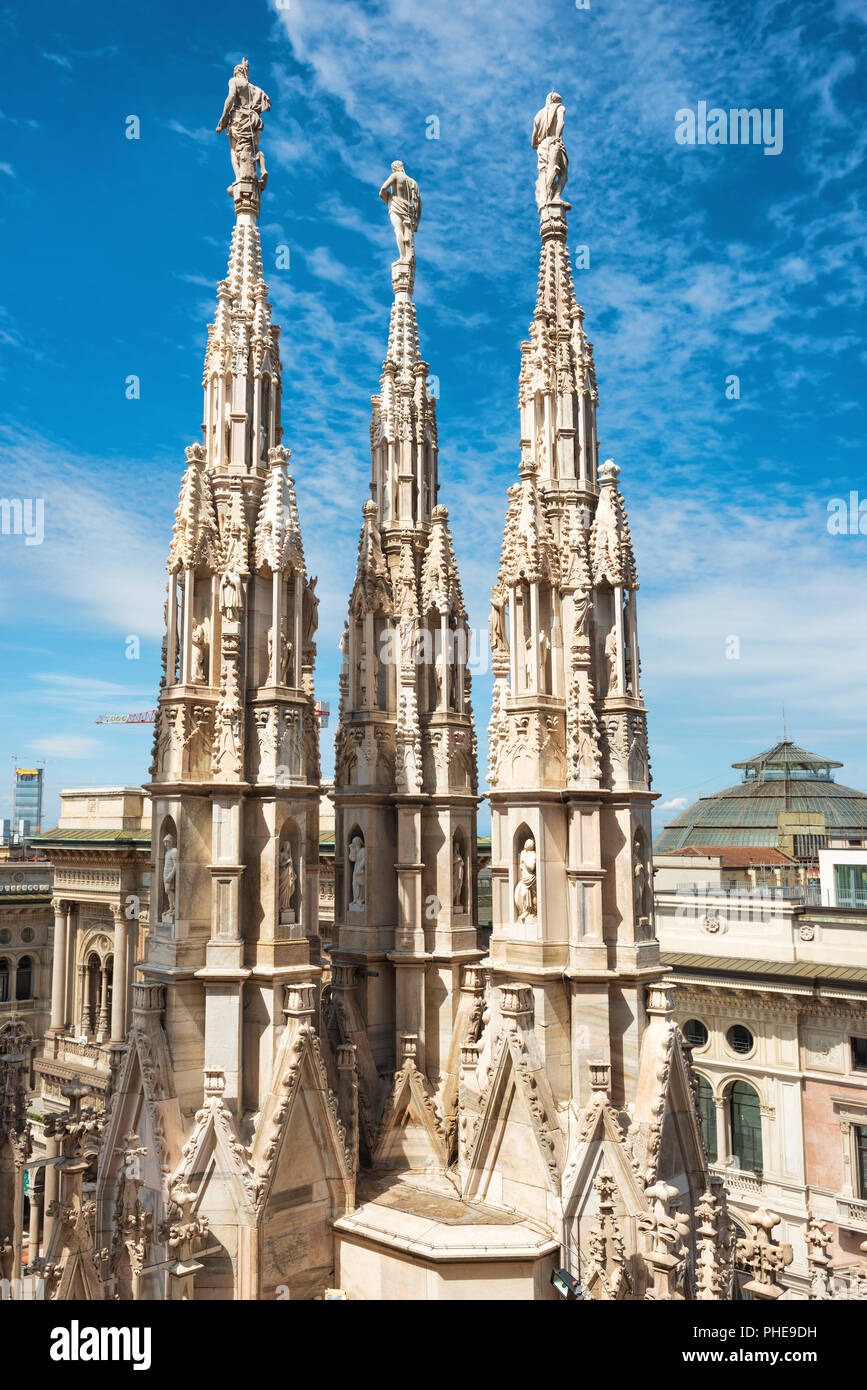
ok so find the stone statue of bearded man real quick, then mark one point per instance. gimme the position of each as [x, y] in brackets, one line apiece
[244, 123]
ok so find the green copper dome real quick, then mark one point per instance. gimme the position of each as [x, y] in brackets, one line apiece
[785, 780]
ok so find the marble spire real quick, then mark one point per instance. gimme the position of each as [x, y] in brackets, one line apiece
[405, 766]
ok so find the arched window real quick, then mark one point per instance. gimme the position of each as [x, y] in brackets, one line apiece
[745, 1125]
[707, 1110]
[4, 981]
[24, 978]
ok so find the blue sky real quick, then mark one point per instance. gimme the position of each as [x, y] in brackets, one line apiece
[705, 261]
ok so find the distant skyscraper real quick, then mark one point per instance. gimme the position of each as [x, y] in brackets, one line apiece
[27, 801]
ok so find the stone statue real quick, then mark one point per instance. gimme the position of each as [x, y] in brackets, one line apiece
[311, 611]
[170, 876]
[231, 587]
[582, 607]
[525, 889]
[357, 858]
[611, 660]
[639, 882]
[288, 878]
[553, 162]
[244, 123]
[287, 668]
[403, 200]
[458, 872]
[201, 642]
[497, 624]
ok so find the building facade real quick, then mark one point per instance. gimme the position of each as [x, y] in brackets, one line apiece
[26, 935]
[771, 994]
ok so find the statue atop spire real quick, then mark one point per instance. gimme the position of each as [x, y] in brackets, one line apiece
[553, 161]
[403, 200]
[241, 118]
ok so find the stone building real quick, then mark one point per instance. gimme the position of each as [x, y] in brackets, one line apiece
[100, 851]
[433, 1120]
[26, 932]
[771, 988]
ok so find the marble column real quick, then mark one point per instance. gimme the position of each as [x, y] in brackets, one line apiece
[58, 965]
[35, 1222]
[121, 971]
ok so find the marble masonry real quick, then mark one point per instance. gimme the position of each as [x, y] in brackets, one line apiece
[398, 1113]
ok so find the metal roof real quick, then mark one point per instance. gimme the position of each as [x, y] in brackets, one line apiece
[809, 971]
[103, 837]
[746, 814]
[787, 755]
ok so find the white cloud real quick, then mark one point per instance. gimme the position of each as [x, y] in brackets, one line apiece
[65, 746]
[103, 556]
[677, 803]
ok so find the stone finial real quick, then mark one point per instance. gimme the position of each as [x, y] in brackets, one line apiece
[818, 1239]
[343, 976]
[242, 119]
[299, 998]
[660, 1000]
[148, 999]
[516, 1000]
[215, 1083]
[600, 1075]
[763, 1256]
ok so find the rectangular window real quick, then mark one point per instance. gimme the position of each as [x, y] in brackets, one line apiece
[851, 884]
[859, 1054]
[861, 1160]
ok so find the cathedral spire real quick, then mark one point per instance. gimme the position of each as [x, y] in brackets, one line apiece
[567, 716]
[405, 764]
[557, 386]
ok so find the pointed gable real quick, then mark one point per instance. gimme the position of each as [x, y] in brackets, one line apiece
[411, 1136]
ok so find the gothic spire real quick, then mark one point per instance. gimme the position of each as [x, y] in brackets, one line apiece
[557, 385]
